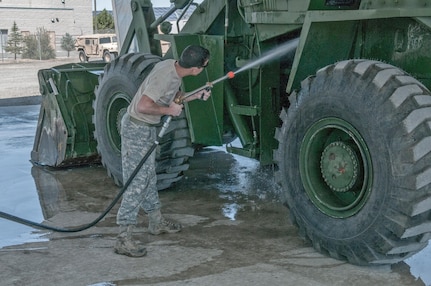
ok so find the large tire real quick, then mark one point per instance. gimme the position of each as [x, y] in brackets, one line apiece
[117, 86]
[354, 162]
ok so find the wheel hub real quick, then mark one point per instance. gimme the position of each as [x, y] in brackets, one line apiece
[339, 166]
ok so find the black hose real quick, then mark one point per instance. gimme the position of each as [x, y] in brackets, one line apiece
[111, 205]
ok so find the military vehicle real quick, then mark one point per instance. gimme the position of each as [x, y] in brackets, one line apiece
[102, 46]
[343, 113]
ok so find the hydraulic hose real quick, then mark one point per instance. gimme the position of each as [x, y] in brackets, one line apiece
[111, 205]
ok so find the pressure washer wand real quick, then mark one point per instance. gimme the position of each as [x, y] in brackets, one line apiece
[208, 86]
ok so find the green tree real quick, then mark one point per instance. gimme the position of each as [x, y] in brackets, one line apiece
[67, 43]
[104, 22]
[14, 43]
[38, 46]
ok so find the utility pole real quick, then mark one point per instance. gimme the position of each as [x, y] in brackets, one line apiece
[40, 47]
[94, 15]
[1, 44]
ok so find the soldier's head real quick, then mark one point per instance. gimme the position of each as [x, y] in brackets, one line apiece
[194, 56]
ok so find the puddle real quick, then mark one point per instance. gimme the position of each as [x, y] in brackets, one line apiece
[420, 265]
[238, 180]
[18, 192]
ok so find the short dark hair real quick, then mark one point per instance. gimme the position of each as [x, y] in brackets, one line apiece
[194, 56]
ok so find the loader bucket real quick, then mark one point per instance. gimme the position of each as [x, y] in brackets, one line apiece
[64, 135]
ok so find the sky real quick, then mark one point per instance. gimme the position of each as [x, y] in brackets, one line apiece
[107, 4]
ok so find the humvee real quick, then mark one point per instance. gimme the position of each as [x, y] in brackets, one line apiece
[97, 45]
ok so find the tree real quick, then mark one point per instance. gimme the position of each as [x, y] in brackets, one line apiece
[67, 43]
[14, 43]
[38, 46]
[104, 22]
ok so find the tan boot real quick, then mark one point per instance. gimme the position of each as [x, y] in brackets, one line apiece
[126, 245]
[158, 224]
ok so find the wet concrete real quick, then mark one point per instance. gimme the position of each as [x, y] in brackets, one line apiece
[236, 231]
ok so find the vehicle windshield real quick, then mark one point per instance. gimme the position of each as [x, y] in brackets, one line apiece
[105, 40]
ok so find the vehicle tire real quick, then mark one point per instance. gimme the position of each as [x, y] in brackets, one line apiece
[107, 57]
[117, 86]
[82, 57]
[354, 162]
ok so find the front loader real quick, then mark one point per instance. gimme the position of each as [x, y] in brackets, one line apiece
[343, 111]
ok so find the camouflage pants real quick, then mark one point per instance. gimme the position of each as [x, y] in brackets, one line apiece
[136, 139]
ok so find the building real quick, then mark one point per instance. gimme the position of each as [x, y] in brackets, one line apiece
[59, 17]
[56, 16]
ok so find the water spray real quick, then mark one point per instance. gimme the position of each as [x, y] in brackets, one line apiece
[273, 54]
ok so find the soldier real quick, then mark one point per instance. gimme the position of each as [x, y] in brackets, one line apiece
[154, 98]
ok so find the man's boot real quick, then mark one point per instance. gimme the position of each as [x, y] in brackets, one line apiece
[158, 224]
[126, 245]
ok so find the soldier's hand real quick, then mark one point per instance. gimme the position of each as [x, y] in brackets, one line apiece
[175, 109]
[205, 94]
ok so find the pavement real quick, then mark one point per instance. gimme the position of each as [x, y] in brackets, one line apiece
[236, 231]
[19, 77]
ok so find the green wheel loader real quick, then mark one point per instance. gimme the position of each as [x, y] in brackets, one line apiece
[343, 112]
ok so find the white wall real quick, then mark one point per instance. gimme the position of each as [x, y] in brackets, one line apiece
[74, 16]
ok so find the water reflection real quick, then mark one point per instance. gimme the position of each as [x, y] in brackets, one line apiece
[248, 177]
[420, 265]
[230, 210]
[242, 182]
[18, 192]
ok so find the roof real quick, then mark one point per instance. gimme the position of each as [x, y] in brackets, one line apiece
[160, 11]
[96, 35]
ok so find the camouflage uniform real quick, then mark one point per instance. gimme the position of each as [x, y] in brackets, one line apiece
[142, 191]
[138, 134]
[137, 138]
